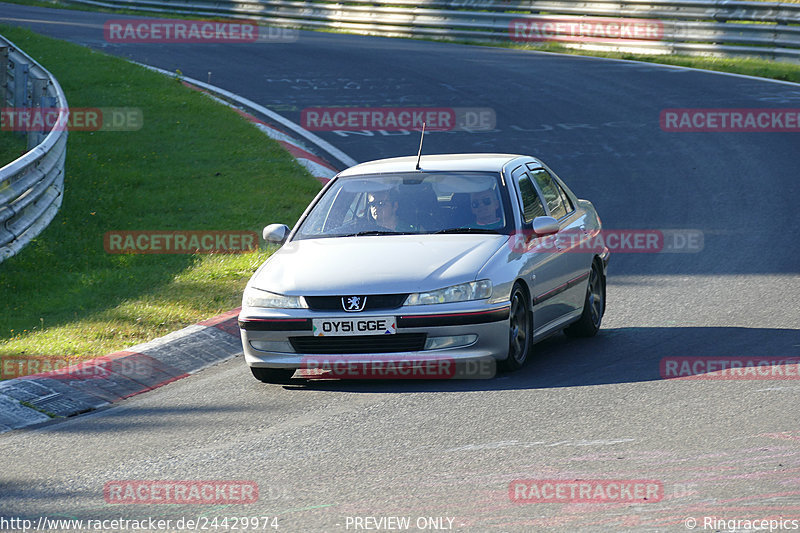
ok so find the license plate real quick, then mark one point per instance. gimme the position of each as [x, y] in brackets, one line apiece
[374, 325]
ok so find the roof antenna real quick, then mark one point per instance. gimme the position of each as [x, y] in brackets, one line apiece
[421, 137]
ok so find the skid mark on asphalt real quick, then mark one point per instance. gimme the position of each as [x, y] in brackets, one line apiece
[522, 444]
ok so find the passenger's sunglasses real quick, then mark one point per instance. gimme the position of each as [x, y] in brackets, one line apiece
[477, 203]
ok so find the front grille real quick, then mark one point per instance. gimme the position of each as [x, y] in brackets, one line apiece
[399, 342]
[375, 302]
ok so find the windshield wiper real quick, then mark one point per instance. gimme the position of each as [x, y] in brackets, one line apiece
[465, 230]
[375, 232]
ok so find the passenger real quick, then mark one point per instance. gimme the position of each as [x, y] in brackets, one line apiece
[485, 208]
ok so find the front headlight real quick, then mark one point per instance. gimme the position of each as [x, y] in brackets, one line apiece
[257, 298]
[475, 290]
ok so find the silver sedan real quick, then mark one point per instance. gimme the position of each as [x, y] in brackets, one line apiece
[444, 267]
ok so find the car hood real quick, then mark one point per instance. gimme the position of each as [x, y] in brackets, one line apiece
[376, 264]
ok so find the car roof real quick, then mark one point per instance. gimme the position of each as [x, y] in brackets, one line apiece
[433, 163]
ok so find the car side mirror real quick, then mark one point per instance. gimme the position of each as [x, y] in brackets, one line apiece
[545, 226]
[276, 233]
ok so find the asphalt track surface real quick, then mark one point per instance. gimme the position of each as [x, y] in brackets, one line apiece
[325, 453]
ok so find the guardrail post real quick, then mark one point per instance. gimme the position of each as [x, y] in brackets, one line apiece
[38, 93]
[21, 99]
[21, 71]
[3, 76]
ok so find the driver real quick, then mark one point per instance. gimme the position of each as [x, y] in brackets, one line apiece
[383, 210]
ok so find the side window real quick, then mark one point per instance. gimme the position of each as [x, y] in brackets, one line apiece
[567, 201]
[531, 203]
[552, 193]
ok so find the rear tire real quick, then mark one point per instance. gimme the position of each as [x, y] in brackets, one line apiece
[594, 306]
[272, 375]
[519, 346]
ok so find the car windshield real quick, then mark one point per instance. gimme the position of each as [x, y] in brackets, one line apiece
[409, 203]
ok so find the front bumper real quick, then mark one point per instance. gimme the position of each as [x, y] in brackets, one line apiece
[283, 338]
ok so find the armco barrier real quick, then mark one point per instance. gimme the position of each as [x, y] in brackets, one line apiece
[696, 27]
[31, 187]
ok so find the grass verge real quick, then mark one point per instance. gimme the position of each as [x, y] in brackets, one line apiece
[11, 146]
[194, 165]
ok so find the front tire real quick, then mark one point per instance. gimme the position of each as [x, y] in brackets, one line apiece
[594, 306]
[272, 375]
[519, 332]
